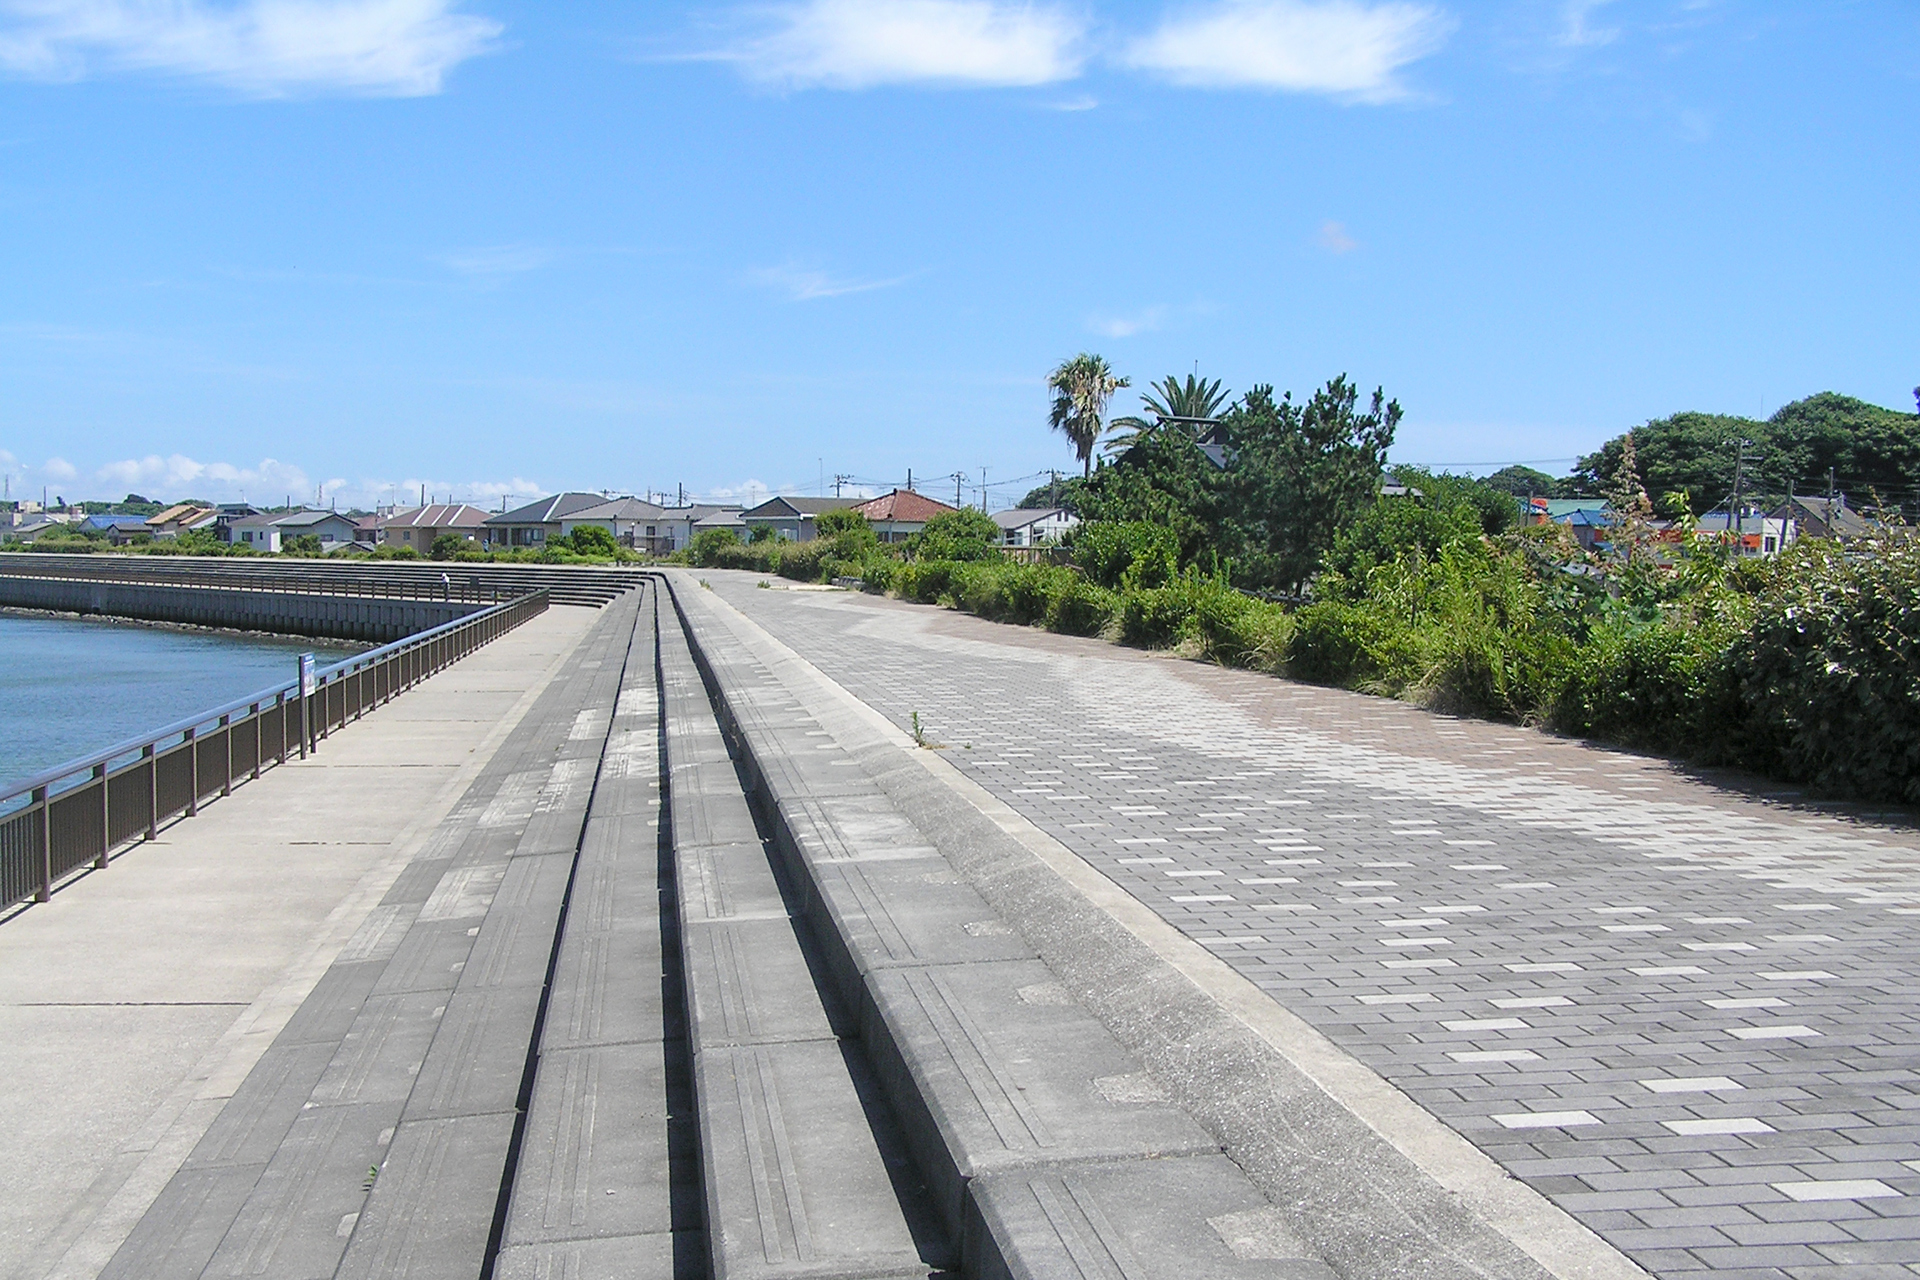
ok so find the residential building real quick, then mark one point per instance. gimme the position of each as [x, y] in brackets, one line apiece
[334, 530]
[1757, 534]
[679, 524]
[226, 513]
[118, 530]
[177, 519]
[257, 532]
[793, 518]
[1589, 520]
[417, 527]
[538, 522]
[1823, 518]
[899, 515]
[1031, 526]
[632, 522]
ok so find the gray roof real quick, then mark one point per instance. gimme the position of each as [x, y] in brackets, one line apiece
[302, 519]
[771, 508]
[1021, 517]
[549, 510]
[619, 509]
[437, 515]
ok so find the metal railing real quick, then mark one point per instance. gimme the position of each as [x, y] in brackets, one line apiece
[76, 815]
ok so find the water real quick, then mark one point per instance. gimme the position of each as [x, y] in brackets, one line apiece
[72, 686]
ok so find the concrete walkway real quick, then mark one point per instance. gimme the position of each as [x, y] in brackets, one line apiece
[1685, 1015]
[134, 1003]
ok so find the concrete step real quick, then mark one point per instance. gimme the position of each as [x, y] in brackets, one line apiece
[806, 1170]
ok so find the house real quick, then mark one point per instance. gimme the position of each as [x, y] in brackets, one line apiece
[1031, 526]
[1589, 521]
[1758, 535]
[334, 530]
[1822, 518]
[632, 522]
[679, 524]
[258, 532]
[176, 519]
[793, 518]
[899, 515]
[226, 513]
[30, 529]
[417, 527]
[119, 530]
[535, 523]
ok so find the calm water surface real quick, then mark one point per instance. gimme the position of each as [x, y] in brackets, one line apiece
[72, 686]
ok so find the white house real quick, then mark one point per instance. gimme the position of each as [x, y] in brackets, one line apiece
[1031, 526]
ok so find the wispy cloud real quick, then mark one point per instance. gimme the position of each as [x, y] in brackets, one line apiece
[1334, 239]
[1125, 326]
[803, 284]
[264, 48]
[497, 262]
[1577, 33]
[1338, 47]
[857, 44]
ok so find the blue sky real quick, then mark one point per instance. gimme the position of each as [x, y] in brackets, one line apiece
[501, 248]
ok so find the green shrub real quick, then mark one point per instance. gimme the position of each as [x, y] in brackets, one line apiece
[1130, 553]
[1828, 673]
[957, 535]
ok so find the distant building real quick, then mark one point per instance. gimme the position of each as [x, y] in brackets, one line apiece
[177, 519]
[899, 515]
[1822, 518]
[1031, 526]
[334, 530]
[632, 522]
[1756, 534]
[538, 522]
[419, 526]
[680, 524]
[793, 518]
[226, 514]
[118, 530]
[256, 532]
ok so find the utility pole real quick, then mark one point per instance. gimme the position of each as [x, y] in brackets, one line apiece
[1733, 504]
[983, 486]
[1053, 498]
[909, 479]
[840, 479]
[959, 478]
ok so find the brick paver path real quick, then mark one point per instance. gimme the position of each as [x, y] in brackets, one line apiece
[1689, 1016]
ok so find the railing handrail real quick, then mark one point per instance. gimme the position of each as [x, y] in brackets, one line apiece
[87, 763]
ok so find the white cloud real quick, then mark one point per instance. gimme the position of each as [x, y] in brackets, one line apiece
[750, 493]
[497, 262]
[58, 469]
[1340, 47]
[1574, 31]
[1125, 326]
[856, 44]
[1334, 239]
[176, 473]
[266, 48]
[802, 284]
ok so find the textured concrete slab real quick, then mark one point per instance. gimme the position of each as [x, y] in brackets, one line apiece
[421, 1220]
[675, 1257]
[1140, 1219]
[995, 1066]
[756, 982]
[797, 1184]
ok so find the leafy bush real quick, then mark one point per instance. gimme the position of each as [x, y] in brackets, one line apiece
[957, 535]
[1828, 674]
[588, 540]
[301, 544]
[446, 546]
[1132, 553]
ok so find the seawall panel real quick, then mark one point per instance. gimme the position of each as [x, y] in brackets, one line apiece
[368, 619]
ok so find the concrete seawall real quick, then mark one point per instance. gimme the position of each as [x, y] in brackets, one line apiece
[337, 617]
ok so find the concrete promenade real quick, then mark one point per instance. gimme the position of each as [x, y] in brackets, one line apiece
[1681, 1014]
[134, 1003]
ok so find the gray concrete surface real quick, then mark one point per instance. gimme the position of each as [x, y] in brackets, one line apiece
[288, 613]
[1679, 1011]
[136, 1003]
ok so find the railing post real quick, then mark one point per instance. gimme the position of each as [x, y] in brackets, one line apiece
[280, 705]
[45, 891]
[254, 712]
[153, 791]
[106, 817]
[226, 739]
[193, 775]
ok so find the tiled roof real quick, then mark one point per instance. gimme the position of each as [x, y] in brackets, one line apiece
[903, 505]
[438, 515]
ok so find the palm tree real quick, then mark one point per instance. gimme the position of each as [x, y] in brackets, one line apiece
[1191, 404]
[1081, 388]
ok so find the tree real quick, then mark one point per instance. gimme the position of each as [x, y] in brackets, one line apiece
[446, 546]
[1300, 473]
[1524, 482]
[591, 540]
[957, 535]
[1081, 388]
[1066, 494]
[1169, 402]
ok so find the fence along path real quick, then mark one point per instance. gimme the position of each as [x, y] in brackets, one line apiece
[77, 815]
